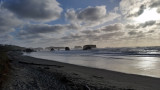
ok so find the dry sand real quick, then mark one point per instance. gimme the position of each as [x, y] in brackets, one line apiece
[71, 77]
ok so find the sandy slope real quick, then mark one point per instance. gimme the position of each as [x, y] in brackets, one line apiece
[37, 74]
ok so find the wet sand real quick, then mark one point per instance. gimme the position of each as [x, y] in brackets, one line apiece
[79, 76]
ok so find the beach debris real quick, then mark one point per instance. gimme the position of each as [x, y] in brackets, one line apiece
[88, 87]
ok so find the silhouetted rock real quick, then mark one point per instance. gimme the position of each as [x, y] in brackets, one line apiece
[52, 49]
[67, 48]
[88, 47]
[55, 48]
[29, 50]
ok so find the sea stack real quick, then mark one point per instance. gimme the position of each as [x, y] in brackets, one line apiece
[88, 47]
[67, 48]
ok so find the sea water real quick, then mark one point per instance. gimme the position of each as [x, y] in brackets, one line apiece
[141, 62]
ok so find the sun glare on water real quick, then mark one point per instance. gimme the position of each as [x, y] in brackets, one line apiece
[148, 15]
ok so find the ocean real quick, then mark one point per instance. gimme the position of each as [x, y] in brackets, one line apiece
[132, 61]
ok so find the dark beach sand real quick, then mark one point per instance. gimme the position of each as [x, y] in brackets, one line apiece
[72, 77]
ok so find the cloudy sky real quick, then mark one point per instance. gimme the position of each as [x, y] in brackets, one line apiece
[106, 23]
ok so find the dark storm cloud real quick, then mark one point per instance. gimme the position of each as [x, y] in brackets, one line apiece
[90, 32]
[42, 30]
[114, 27]
[29, 37]
[151, 31]
[8, 22]
[34, 9]
[147, 24]
[87, 14]
[155, 4]
[131, 26]
[45, 28]
[90, 16]
[34, 29]
[140, 25]
[140, 11]
[132, 33]
[158, 10]
[136, 34]
[92, 13]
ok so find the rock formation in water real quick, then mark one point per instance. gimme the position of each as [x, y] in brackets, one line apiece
[29, 50]
[88, 47]
[67, 48]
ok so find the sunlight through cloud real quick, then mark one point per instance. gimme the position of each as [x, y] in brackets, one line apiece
[148, 15]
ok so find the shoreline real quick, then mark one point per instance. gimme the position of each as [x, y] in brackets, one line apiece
[138, 65]
[99, 78]
[54, 61]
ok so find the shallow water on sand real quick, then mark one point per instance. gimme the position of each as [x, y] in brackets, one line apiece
[142, 64]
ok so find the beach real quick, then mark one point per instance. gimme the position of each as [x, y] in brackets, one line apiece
[79, 44]
[30, 73]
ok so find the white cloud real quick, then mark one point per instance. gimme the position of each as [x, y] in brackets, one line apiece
[91, 16]
[114, 27]
[134, 8]
[91, 25]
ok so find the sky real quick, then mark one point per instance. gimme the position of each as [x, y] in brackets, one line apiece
[105, 23]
